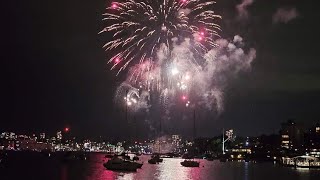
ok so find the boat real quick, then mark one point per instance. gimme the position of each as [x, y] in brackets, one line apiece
[155, 159]
[152, 161]
[135, 158]
[190, 163]
[117, 164]
[301, 162]
[158, 158]
[139, 165]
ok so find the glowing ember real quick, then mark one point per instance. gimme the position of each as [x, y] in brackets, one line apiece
[114, 6]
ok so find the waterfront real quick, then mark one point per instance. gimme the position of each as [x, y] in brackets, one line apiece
[36, 166]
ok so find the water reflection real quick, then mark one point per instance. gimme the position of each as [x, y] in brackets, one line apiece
[171, 169]
[64, 173]
[38, 168]
[246, 171]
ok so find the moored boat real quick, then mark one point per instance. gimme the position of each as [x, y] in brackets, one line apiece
[190, 163]
[152, 161]
[155, 159]
[117, 164]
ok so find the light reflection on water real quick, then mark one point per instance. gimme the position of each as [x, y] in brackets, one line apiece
[172, 170]
[35, 167]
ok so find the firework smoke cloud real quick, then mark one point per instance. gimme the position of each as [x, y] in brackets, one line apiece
[285, 15]
[242, 8]
[173, 53]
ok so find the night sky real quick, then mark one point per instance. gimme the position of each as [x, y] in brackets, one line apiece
[55, 72]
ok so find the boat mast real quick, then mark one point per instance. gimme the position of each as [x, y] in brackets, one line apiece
[160, 135]
[126, 116]
[223, 141]
[194, 124]
[126, 107]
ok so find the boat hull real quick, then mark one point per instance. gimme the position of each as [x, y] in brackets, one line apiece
[123, 166]
[190, 164]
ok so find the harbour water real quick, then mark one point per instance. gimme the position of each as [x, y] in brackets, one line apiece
[36, 166]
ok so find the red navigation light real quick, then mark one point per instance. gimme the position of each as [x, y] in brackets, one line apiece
[66, 129]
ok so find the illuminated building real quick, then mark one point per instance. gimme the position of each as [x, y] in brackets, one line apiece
[312, 141]
[241, 150]
[42, 136]
[291, 135]
[12, 135]
[176, 140]
[59, 135]
[5, 135]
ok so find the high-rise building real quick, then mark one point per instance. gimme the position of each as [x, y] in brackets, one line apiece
[318, 128]
[176, 140]
[312, 141]
[12, 135]
[59, 135]
[292, 135]
[42, 136]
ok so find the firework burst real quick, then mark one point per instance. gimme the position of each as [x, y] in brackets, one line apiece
[170, 50]
[140, 27]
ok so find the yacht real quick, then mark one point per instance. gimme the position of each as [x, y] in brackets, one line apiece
[117, 164]
[155, 159]
[190, 163]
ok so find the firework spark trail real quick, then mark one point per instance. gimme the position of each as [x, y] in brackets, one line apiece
[139, 27]
[171, 50]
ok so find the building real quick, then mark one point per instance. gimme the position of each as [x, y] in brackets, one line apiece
[32, 145]
[176, 141]
[312, 141]
[42, 136]
[59, 136]
[292, 135]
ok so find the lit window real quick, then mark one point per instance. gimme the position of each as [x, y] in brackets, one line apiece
[285, 136]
